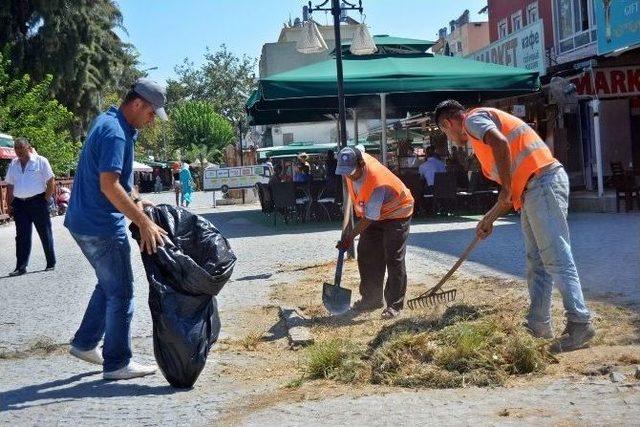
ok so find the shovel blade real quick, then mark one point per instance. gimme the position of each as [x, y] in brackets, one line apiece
[336, 299]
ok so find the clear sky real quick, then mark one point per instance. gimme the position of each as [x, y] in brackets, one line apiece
[167, 31]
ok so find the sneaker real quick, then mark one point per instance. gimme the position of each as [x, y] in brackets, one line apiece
[18, 272]
[132, 370]
[50, 268]
[539, 332]
[575, 336]
[362, 305]
[91, 356]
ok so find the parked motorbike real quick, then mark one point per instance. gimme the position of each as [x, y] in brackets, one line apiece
[62, 200]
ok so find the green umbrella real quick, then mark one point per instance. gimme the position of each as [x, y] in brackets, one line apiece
[413, 82]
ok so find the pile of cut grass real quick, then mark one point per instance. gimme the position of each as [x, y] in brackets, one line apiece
[334, 359]
[465, 346]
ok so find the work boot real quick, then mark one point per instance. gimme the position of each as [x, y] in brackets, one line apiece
[362, 305]
[538, 331]
[576, 335]
[132, 370]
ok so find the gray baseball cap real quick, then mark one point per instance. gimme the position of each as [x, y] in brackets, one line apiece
[153, 93]
[347, 161]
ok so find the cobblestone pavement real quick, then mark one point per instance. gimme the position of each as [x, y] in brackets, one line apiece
[47, 307]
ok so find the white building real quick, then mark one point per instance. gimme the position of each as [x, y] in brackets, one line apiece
[282, 56]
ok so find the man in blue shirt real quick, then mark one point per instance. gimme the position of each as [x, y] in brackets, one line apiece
[100, 200]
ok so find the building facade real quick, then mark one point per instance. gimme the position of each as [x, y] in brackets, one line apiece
[462, 37]
[603, 126]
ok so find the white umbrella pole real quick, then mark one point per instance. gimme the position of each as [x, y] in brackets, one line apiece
[383, 119]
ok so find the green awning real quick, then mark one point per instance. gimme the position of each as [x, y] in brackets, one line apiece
[414, 82]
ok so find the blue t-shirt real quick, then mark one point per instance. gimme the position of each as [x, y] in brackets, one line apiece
[108, 148]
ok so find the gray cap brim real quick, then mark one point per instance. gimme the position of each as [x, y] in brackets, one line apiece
[161, 114]
[345, 170]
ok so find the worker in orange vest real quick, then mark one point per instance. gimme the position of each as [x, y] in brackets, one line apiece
[534, 183]
[384, 206]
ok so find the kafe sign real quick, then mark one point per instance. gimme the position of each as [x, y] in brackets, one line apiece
[618, 24]
[609, 82]
[523, 49]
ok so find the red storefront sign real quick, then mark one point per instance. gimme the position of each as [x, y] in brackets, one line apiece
[609, 82]
[7, 153]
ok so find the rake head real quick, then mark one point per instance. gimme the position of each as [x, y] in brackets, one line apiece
[431, 299]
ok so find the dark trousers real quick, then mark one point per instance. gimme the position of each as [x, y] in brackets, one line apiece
[382, 247]
[26, 214]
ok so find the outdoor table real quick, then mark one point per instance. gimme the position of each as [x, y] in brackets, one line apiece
[312, 190]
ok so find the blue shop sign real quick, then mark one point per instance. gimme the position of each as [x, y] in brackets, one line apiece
[618, 24]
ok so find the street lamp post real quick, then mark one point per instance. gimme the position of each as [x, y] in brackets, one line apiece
[336, 11]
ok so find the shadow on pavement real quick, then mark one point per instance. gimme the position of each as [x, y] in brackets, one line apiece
[500, 251]
[253, 223]
[51, 392]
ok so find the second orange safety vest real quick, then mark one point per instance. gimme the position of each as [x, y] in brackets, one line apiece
[377, 175]
[529, 153]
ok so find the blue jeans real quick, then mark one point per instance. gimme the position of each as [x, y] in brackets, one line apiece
[110, 309]
[549, 257]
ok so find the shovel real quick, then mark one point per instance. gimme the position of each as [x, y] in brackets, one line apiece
[336, 299]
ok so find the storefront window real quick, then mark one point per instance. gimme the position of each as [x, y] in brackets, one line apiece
[532, 13]
[575, 24]
[502, 28]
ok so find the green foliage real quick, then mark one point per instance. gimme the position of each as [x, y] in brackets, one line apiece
[224, 80]
[75, 42]
[199, 130]
[155, 140]
[28, 110]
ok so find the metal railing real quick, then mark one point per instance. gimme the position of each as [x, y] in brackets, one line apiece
[4, 215]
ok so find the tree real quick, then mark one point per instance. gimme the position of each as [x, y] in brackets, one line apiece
[199, 130]
[74, 41]
[224, 80]
[155, 140]
[27, 109]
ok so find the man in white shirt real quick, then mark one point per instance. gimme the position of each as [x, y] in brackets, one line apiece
[31, 185]
[433, 165]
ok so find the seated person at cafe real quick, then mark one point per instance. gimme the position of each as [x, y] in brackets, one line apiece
[430, 167]
[302, 175]
[276, 178]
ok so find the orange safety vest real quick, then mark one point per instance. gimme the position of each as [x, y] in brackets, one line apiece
[529, 153]
[377, 175]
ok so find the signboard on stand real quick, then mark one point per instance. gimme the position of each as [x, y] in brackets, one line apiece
[618, 24]
[522, 49]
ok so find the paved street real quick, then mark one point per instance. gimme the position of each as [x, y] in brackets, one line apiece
[47, 307]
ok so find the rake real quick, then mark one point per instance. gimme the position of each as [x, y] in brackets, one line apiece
[433, 297]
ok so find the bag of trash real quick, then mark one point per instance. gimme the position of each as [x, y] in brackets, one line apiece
[184, 277]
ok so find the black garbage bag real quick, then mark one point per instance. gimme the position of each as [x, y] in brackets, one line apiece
[184, 277]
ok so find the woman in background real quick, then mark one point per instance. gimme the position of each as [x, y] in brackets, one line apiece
[186, 184]
[177, 187]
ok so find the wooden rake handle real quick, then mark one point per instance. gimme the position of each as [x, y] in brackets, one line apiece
[453, 269]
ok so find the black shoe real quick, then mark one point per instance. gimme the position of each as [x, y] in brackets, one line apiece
[18, 272]
[361, 305]
[50, 268]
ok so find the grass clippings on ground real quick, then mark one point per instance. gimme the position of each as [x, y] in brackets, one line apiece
[477, 341]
